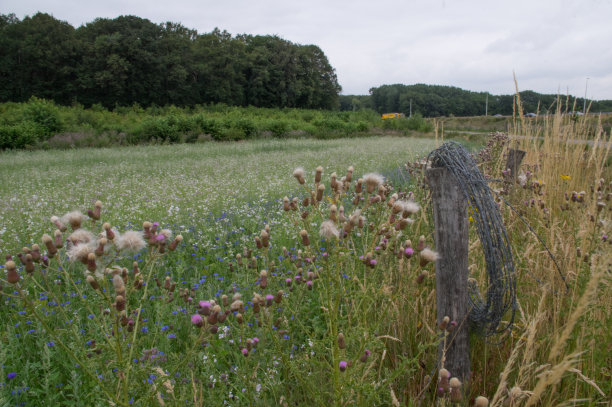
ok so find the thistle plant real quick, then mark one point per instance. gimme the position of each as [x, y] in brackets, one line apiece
[93, 263]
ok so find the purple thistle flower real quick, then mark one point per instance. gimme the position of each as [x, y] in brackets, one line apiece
[197, 320]
[342, 365]
[245, 351]
[408, 252]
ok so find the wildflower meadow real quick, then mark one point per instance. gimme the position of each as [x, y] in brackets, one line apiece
[294, 272]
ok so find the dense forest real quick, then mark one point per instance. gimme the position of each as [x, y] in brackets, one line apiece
[128, 60]
[434, 101]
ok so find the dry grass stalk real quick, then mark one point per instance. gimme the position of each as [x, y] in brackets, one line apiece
[583, 303]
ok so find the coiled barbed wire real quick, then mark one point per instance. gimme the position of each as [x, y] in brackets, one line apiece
[485, 314]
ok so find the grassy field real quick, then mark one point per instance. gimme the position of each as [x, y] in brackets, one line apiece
[266, 301]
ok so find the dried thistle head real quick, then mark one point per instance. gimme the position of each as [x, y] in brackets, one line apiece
[298, 173]
[81, 236]
[130, 241]
[329, 230]
[74, 219]
[428, 256]
[372, 181]
[80, 252]
[481, 401]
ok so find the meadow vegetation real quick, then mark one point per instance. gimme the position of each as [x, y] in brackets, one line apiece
[41, 124]
[290, 283]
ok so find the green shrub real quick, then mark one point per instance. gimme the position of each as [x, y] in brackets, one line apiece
[45, 114]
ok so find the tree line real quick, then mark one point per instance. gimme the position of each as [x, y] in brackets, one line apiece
[435, 100]
[128, 60]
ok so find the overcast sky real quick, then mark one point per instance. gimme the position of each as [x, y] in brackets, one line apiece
[552, 45]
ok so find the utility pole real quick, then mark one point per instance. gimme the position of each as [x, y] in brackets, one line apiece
[487, 105]
[410, 108]
[585, 94]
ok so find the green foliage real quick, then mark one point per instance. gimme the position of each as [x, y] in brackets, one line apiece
[40, 123]
[435, 100]
[129, 60]
[45, 115]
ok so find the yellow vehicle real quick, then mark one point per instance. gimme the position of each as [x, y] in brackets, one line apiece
[392, 115]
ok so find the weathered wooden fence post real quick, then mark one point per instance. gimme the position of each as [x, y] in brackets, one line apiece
[515, 157]
[451, 238]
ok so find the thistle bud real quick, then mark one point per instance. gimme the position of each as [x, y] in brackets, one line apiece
[29, 263]
[119, 285]
[358, 186]
[258, 242]
[444, 323]
[443, 378]
[100, 249]
[263, 279]
[51, 249]
[35, 253]
[349, 174]
[119, 302]
[204, 308]
[320, 190]
[318, 174]
[91, 262]
[481, 401]
[333, 213]
[146, 226]
[341, 341]
[299, 175]
[92, 282]
[11, 272]
[110, 235]
[59, 239]
[177, 240]
[421, 244]
[95, 213]
[455, 392]
[279, 296]
[239, 318]
[365, 356]
[422, 277]
[58, 224]
[265, 238]
[305, 238]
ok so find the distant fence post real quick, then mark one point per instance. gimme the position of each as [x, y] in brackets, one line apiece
[451, 238]
[515, 157]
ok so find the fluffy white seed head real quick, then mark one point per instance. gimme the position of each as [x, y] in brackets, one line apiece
[372, 181]
[329, 230]
[131, 241]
